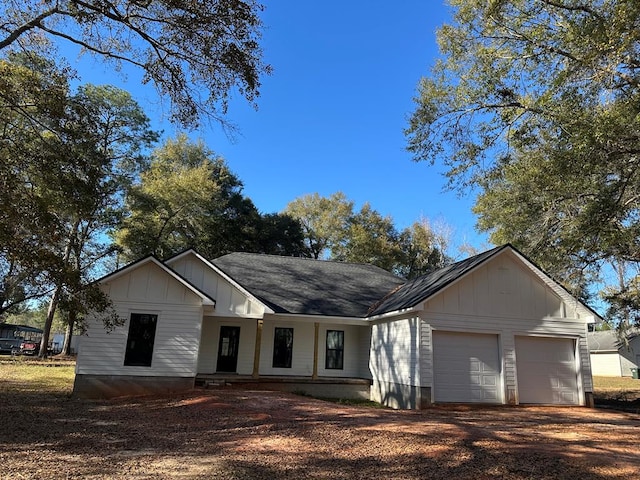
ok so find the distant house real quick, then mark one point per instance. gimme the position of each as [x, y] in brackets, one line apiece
[493, 328]
[611, 357]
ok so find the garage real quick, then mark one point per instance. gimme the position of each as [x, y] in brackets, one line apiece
[466, 368]
[546, 370]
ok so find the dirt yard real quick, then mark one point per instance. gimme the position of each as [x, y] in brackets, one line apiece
[243, 434]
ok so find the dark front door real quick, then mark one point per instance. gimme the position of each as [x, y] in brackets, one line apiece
[228, 349]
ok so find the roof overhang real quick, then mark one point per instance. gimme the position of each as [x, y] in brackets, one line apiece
[210, 265]
[207, 301]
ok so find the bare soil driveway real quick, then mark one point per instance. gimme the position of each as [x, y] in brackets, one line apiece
[244, 434]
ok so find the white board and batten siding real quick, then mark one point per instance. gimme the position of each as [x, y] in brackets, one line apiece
[230, 300]
[394, 352]
[148, 290]
[504, 300]
[208, 355]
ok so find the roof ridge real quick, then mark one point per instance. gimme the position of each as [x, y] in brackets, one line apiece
[309, 259]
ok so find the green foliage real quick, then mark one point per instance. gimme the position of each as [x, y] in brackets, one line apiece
[188, 198]
[65, 160]
[333, 230]
[195, 53]
[537, 104]
[324, 220]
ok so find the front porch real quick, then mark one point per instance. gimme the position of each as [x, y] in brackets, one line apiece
[321, 387]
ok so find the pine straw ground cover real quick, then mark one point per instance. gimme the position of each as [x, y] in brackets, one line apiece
[243, 434]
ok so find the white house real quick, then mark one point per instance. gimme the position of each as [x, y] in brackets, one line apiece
[492, 328]
[611, 357]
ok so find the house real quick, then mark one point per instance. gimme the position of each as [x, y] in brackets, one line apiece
[611, 357]
[493, 328]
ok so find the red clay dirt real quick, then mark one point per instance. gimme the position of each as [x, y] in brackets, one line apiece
[249, 434]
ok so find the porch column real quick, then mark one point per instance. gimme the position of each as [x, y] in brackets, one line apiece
[256, 351]
[316, 327]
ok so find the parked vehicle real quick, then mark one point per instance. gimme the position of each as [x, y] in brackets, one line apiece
[13, 337]
[29, 347]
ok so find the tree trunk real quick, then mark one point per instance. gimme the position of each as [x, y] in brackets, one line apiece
[53, 304]
[68, 334]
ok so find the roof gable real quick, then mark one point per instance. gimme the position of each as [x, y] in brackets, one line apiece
[417, 291]
[127, 269]
[305, 286]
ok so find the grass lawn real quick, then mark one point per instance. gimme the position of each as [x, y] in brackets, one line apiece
[31, 375]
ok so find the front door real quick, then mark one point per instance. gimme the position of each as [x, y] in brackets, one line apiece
[228, 349]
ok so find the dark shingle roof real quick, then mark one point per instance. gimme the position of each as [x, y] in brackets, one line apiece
[415, 291]
[603, 341]
[310, 287]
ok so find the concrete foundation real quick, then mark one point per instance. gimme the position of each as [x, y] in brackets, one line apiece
[111, 386]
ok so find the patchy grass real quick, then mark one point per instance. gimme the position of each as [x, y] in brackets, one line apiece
[617, 392]
[616, 383]
[22, 376]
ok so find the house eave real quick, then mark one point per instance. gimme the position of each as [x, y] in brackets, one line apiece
[383, 316]
[244, 291]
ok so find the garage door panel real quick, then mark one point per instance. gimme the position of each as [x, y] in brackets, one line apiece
[466, 368]
[546, 369]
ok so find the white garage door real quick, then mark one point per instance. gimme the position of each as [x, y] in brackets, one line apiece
[546, 370]
[466, 368]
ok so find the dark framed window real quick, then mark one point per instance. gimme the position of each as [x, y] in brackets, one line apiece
[335, 350]
[282, 347]
[142, 334]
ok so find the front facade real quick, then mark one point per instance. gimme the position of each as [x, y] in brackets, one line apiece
[491, 329]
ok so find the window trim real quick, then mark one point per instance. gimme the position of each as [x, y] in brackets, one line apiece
[128, 352]
[276, 359]
[329, 358]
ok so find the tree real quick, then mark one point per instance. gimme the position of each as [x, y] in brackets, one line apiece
[333, 230]
[32, 90]
[423, 249]
[101, 139]
[67, 159]
[188, 198]
[369, 238]
[536, 104]
[193, 52]
[324, 221]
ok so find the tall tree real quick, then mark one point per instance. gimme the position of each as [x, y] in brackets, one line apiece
[423, 249]
[537, 103]
[189, 198]
[195, 53]
[67, 159]
[369, 238]
[31, 92]
[101, 139]
[324, 221]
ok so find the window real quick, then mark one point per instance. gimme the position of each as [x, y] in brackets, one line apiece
[335, 349]
[282, 347]
[142, 333]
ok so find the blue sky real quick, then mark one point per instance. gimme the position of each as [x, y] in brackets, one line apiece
[332, 114]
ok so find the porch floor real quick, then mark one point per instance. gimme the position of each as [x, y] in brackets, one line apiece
[205, 380]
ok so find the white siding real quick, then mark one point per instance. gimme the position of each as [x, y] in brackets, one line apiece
[208, 356]
[147, 289]
[230, 301]
[503, 298]
[356, 351]
[394, 353]
[302, 358]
